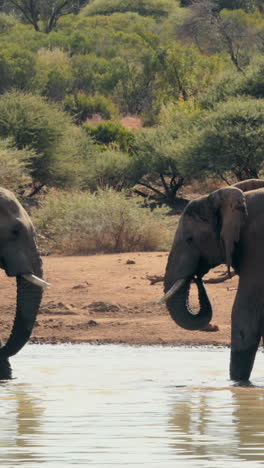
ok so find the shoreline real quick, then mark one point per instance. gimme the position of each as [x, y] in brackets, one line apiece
[109, 299]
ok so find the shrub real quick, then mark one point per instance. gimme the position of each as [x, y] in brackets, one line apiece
[7, 22]
[14, 172]
[36, 124]
[82, 106]
[53, 77]
[108, 168]
[155, 164]
[143, 7]
[106, 133]
[85, 223]
[228, 141]
[17, 67]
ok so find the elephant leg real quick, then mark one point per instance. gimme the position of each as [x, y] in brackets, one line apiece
[245, 338]
[5, 369]
[241, 362]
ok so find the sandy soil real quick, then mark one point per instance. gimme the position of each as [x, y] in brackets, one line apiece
[109, 299]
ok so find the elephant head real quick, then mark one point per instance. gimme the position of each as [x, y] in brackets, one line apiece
[19, 258]
[208, 231]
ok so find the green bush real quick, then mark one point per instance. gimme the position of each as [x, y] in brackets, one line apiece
[82, 106]
[85, 223]
[109, 168]
[7, 22]
[143, 7]
[53, 77]
[41, 126]
[253, 83]
[14, 163]
[229, 141]
[17, 67]
[232, 84]
[106, 133]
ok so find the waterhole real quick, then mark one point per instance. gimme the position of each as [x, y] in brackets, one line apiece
[122, 406]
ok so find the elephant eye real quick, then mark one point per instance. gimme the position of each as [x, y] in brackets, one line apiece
[189, 239]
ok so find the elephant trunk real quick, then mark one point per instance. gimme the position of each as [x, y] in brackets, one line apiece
[28, 301]
[180, 311]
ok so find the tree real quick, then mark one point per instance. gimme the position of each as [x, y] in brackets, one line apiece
[60, 148]
[14, 173]
[155, 165]
[47, 12]
[229, 31]
[110, 133]
[142, 7]
[247, 5]
[185, 71]
[17, 68]
[227, 144]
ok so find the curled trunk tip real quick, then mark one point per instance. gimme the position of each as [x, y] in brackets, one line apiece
[180, 311]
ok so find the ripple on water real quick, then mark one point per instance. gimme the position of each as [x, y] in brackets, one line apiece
[129, 406]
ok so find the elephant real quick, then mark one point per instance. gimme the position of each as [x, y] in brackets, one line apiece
[224, 227]
[19, 257]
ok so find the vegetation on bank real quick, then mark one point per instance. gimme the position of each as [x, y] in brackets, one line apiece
[107, 221]
[192, 71]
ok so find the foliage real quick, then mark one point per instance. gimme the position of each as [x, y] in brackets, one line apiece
[108, 221]
[17, 68]
[44, 12]
[142, 7]
[228, 142]
[109, 168]
[233, 32]
[71, 164]
[106, 133]
[250, 83]
[155, 165]
[186, 71]
[247, 5]
[53, 77]
[14, 173]
[7, 22]
[83, 106]
[36, 124]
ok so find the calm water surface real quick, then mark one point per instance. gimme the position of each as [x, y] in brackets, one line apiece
[121, 406]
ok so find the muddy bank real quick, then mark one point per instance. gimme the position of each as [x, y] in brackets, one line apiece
[110, 299]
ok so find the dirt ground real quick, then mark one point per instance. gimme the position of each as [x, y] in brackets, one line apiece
[109, 299]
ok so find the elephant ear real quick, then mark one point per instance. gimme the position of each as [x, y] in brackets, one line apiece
[230, 212]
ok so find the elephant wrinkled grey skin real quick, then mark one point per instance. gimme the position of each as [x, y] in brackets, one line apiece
[18, 256]
[226, 226]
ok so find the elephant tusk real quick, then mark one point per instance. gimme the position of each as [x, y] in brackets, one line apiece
[177, 285]
[37, 281]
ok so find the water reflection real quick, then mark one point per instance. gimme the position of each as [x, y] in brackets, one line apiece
[120, 406]
[224, 422]
[21, 416]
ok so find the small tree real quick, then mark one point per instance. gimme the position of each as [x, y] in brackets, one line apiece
[110, 133]
[53, 77]
[108, 168]
[14, 172]
[34, 123]
[155, 165]
[229, 31]
[17, 68]
[82, 106]
[46, 12]
[228, 143]
[142, 7]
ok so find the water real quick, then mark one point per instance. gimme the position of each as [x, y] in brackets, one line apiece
[121, 406]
